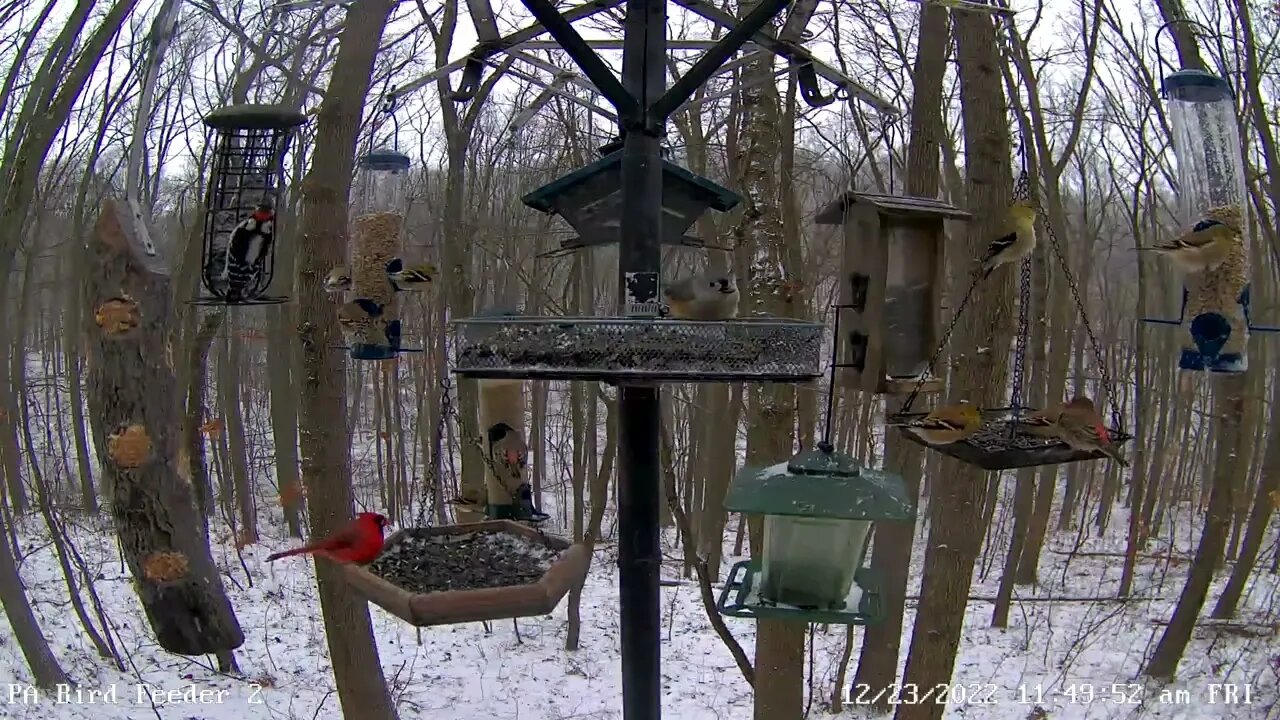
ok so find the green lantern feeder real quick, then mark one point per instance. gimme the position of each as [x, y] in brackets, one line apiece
[819, 509]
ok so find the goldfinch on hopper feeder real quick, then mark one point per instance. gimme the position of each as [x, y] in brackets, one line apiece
[1020, 241]
[945, 425]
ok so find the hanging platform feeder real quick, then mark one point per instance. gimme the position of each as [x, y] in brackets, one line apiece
[241, 224]
[590, 200]
[614, 348]
[997, 447]
[468, 573]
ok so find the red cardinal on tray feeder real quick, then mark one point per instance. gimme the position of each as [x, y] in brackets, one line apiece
[360, 542]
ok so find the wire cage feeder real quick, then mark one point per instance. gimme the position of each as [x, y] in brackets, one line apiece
[241, 203]
[618, 348]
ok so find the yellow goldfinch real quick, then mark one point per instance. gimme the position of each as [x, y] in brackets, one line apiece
[1203, 247]
[705, 296]
[1080, 427]
[339, 279]
[412, 277]
[1018, 243]
[945, 425]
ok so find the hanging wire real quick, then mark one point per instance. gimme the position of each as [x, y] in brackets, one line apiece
[825, 444]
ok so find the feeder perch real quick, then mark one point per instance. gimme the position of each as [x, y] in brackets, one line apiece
[1213, 309]
[819, 508]
[249, 142]
[590, 200]
[441, 567]
[625, 349]
[892, 277]
[998, 447]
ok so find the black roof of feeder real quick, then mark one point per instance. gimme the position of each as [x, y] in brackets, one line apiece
[589, 199]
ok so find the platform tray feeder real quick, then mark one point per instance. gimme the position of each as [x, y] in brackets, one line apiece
[614, 348]
[997, 447]
[468, 573]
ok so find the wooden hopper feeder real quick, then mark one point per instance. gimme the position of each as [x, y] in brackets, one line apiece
[446, 607]
[892, 278]
[996, 447]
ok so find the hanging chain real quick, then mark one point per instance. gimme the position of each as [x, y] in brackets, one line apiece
[437, 450]
[942, 343]
[1021, 191]
[1116, 418]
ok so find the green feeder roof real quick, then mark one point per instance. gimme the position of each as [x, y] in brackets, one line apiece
[821, 484]
[717, 196]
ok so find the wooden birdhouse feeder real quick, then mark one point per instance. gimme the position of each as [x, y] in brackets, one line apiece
[590, 200]
[891, 282]
[465, 573]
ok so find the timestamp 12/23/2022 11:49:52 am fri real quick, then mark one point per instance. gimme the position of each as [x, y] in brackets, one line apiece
[1030, 694]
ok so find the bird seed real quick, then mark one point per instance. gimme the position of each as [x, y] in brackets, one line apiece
[422, 563]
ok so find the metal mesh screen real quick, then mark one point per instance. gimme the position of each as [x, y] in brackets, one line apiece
[611, 348]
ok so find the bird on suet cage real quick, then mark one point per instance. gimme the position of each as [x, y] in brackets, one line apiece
[1018, 243]
[704, 296]
[945, 425]
[249, 244]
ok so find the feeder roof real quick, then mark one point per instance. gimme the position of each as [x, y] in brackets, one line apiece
[1197, 86]
[384, 159]
[254, 117]
[543, 199]
[821, 484]
[900, 205]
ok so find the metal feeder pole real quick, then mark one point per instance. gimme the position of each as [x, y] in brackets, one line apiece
[639, 260]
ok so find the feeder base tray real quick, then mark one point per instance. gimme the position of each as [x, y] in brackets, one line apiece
[740, 597]
[621, 349]
[997, 447]
[467, 573]
[260, 300]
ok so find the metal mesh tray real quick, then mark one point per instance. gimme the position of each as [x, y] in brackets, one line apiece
[614, 348]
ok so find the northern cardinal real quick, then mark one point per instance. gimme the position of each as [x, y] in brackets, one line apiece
[946, 425]
[359, 542]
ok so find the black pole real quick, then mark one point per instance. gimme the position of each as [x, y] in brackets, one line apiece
[639, 559]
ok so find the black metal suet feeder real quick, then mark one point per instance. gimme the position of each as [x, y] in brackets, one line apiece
[249, 144]
[590, 200]
[819, 510]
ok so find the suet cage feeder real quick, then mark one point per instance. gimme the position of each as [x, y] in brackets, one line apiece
[249, 144]
[890, 294]
[1211, 306]
[382, 581]
[590, 200]
[998, 445]
[819, 509]
[615, 349]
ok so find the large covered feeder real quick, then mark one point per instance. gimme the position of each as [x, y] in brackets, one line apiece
[472, 572]
[891, 282]
[1214, 302]
[371, 320]
[819, 509]
[638, 349]
[590, 200]
[237, 262]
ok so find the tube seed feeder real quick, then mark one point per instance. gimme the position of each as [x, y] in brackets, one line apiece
[1214, 312]
[382, 178]
[819, 510]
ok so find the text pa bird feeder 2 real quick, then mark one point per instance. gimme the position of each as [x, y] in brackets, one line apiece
[241, 225]
[891, 282]
[819, 510]
[590, 200]
[467, 573]
[1214, 311]
[371, 321]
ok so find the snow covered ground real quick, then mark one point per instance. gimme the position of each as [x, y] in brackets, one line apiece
[1075, 660]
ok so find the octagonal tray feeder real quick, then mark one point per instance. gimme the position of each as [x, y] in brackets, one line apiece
[638, 349]
[999, 447]
[449, 606]
[819, 508]
[590, 200]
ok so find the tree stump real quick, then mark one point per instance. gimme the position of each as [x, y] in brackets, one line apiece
[132, 391]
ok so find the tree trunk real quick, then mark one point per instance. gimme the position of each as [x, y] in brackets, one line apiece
[132, 377]
[45, 669]
[891, 550]
[324, 443]
[955, 509]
